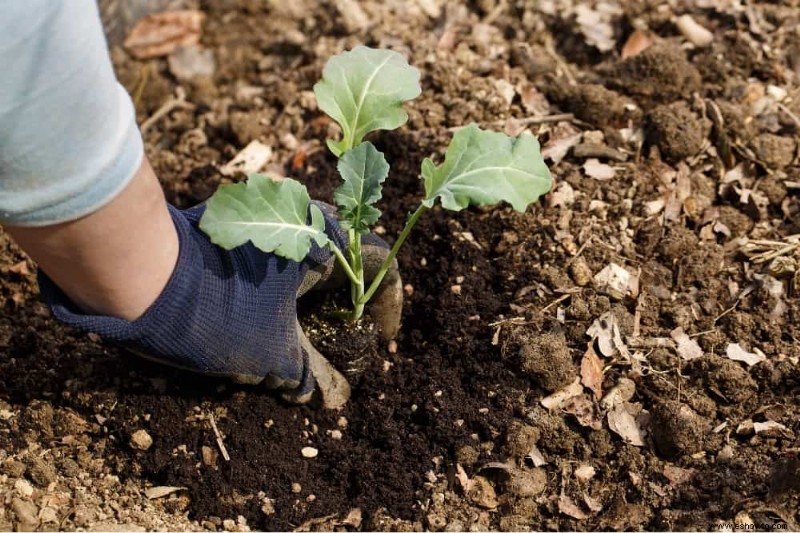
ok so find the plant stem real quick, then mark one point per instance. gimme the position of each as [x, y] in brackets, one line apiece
[357, 265]
[343, 262]
[387, 263]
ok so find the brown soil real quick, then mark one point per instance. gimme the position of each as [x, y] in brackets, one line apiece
[448, 433]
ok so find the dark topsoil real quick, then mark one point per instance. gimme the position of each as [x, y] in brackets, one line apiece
[463, 389]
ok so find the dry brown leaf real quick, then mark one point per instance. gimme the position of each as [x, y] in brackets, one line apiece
[637, 43]
[558, 398]
[622, 422]
[592, 503]
[568, 507]
[688, 348]
[557, 149]
[592, 372]
[159, 34]
[536, 457]
[737, 353]
[677, 475]
[772, 429]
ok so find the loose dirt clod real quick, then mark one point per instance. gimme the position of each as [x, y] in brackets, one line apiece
[546, 358]
[677, 429]
[527, 482]
[676, 131]
[482, 493]
[521, 439]
[660, 74]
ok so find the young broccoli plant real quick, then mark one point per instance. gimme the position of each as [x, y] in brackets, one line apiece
[363, 90]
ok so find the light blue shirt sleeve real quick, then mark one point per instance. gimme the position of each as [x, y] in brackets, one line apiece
[69, 142]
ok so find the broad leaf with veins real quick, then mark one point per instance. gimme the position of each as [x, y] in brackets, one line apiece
[485, 167]
[363, 90]
[363, 170]
[271, 214]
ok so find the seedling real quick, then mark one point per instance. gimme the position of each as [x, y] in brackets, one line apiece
[363, 90]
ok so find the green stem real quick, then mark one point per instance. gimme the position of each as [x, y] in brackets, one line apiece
[387, 263]
[343, 262]
[357, 264]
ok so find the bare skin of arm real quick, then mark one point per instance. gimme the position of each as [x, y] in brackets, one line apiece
[115, 261]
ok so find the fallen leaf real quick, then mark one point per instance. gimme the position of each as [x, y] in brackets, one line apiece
[159, 492]
[353, 518]
[557, 149]
[536, 457]
[737, 353]
[597, 170]
[568, 507]
[625, 424]
[688, 348]
[463, 478]
[677, 475]
[159, 34]
[558, 398]
[614, 281]
[605, 331]
[592, 372]
[772, 429]
[637, 43]
[251, 159]
[592, 503]
[192, 60]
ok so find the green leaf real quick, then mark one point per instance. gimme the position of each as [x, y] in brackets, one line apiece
[363, 170]
[363, 90]
[271, 214]
[485, 167]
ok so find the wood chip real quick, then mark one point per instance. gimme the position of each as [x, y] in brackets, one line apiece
[251, 159]
[558, 398]
[159, 34]
[567, 506]
[637, 43]
[693, 31]
[159, 492]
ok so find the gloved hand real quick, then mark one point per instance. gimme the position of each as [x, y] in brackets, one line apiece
[234, 313]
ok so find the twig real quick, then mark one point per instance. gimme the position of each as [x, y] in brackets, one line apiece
[527, 121]
[218, 435]
[556, 301]
[174, 102]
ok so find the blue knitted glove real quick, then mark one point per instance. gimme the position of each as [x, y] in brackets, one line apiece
[225, 313]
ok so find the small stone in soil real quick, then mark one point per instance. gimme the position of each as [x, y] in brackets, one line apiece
[342, 422]
[336, 434]
[296, 488]
[309, 452]
[141, 440]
